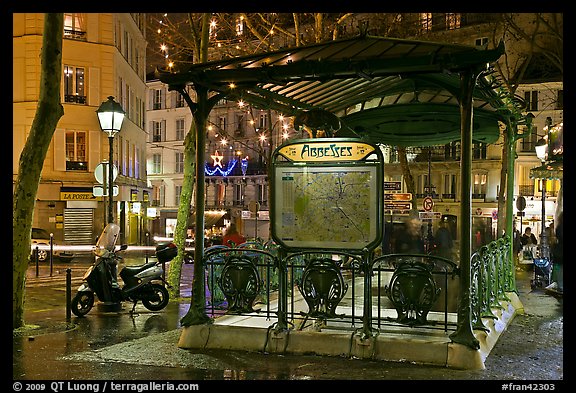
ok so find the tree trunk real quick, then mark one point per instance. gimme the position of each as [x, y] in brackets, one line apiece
[196, 315]
[48, 114]
[175, 268]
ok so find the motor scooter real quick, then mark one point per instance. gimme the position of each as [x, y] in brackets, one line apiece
[143, 283]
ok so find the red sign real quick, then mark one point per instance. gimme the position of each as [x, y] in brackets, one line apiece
[428, 203]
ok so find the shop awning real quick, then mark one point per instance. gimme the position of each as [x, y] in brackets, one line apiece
[211, 218]
[552, 171]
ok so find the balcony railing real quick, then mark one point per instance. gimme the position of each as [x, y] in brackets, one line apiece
[74, 98]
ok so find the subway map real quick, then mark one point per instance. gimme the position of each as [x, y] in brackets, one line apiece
[326, 207]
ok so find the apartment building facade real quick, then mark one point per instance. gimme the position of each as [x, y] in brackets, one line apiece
[103, 55]
[239, 141]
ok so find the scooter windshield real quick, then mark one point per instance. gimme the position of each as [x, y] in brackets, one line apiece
[107, 239]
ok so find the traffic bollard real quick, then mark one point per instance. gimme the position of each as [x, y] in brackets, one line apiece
[51, 253]
[36, 259]
[68, 295]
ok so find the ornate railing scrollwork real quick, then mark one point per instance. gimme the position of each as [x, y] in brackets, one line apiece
[412, 289]
[240, 283]
[322, 287]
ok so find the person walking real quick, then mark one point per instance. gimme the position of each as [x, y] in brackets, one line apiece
[517, 244]
[444, 241]
[233, 238]
[409, 239]
[528, 238]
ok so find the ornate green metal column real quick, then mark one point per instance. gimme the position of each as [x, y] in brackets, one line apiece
[464, 334]
[512, 137]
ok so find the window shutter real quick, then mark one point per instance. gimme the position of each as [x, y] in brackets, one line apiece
[93, 86]
[59, 142]
[94, 142]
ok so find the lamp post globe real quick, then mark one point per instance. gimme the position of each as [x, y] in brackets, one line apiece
[110, 116]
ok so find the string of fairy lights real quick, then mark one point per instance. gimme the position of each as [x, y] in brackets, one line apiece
[228, 39]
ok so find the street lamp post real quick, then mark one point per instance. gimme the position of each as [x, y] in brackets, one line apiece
[110, 116]
[542, 154]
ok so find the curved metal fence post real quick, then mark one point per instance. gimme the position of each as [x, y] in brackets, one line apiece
[367, 318]
[282, 291]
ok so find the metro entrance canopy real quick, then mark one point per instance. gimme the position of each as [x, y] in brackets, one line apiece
[390, 91]
[384, 91]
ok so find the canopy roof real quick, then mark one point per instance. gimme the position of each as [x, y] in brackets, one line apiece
[386, 90]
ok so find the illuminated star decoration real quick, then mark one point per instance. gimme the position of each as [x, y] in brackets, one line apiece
[217, 168]
[217, 157]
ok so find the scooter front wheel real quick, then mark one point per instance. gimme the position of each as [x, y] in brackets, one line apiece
[82, 303]
[158, 299]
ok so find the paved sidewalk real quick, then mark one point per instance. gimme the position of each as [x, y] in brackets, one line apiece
[117, 346]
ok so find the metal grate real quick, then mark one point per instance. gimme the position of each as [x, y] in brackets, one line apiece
[78, 225]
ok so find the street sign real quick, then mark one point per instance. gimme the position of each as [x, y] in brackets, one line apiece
[428, 203]
[397, 197]
[397, 205]
[392, 186]
[521, 203]
[100, 191]
[101, 172]
[430, 215]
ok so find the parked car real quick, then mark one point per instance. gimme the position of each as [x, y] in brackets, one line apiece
[42, 237]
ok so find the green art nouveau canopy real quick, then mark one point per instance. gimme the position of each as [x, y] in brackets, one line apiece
[389, 91]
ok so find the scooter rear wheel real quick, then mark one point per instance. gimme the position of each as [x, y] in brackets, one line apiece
[82, 303]
[161, 298]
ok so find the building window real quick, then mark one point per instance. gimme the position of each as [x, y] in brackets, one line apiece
[75, 26]
[262, 194]
[179, 100]
[560, 100]
[528, 143]
[452, 151]
[158, 131]
[177, 193]
[481, 42]
[222, 123]
[76, 159]
[240, 26]
[156, 167]
[452, 21]
[238, 194]
[180, 129]
[479, 186]
[137, 163]
[531, 98]
[74, 85]
[426, 21]
[219, 194]
[239, 125]
[263, 120]
[422, 186]
[179, 162]
[449, 187]
[131, 153]
[479, 151]
[157, 99]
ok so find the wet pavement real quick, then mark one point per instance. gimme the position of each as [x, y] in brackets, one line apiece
[120, 346]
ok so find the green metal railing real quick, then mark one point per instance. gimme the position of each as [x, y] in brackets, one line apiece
[342, 289]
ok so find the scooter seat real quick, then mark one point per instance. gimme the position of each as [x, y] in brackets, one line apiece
[133, 270]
